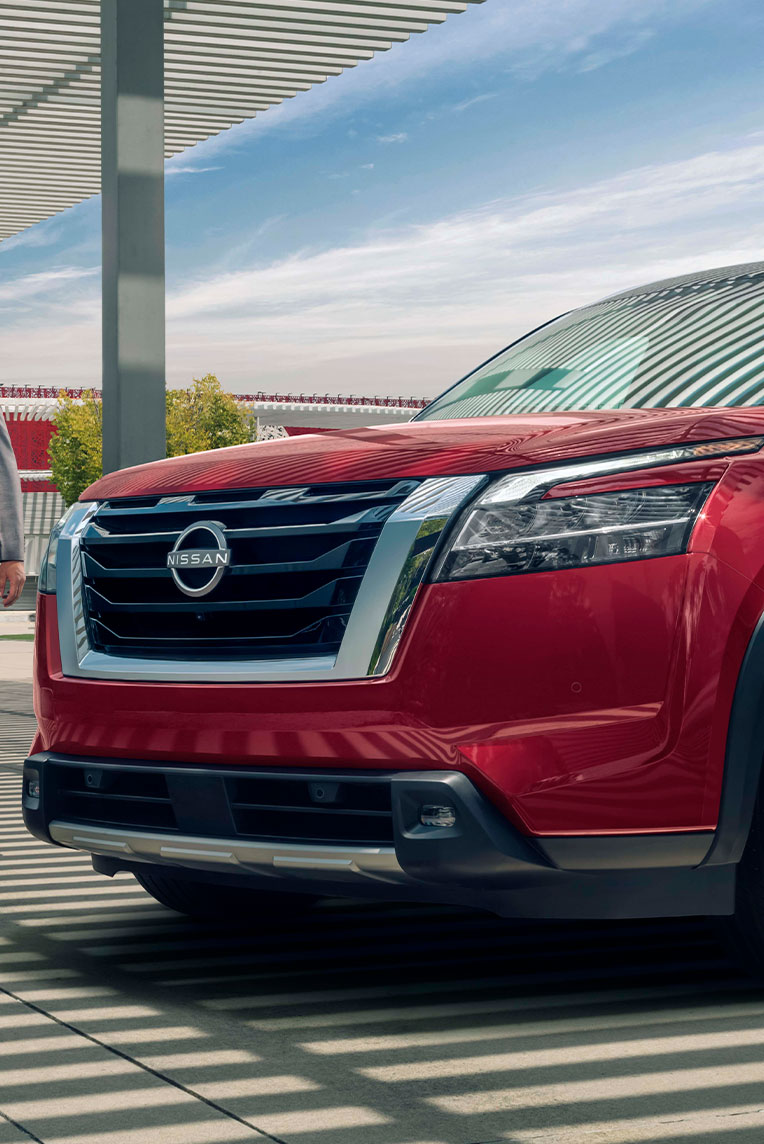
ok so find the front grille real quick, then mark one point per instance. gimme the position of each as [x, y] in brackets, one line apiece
[307, 807]
[297, 559]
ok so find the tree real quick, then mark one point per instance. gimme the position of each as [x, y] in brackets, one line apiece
[75, 447]
[201, 417]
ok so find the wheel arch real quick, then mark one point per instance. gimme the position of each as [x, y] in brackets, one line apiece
[744, 756]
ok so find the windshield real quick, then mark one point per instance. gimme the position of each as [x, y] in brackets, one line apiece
[698, 342]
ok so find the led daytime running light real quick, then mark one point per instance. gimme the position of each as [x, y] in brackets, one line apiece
[518, 487]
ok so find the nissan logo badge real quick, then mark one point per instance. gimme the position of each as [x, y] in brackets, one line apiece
[213, 559]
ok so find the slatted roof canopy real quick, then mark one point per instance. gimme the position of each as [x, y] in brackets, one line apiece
[225, 61]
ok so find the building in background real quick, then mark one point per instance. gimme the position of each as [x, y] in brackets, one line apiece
[29, 410]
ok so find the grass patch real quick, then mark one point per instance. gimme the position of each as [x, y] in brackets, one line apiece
[27, 636]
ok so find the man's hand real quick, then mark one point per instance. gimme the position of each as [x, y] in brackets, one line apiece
[12, 577]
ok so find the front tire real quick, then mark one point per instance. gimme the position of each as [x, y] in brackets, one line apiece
[212, 902]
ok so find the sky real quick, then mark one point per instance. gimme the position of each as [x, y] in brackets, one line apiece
[390, 229]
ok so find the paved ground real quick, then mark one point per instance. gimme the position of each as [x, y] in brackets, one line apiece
[122, 1023]
[16, 664]
[16, 620]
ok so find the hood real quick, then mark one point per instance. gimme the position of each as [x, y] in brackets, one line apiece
[427, 449]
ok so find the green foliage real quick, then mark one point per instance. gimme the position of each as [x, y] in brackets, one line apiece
[201, 417]
[75, 447]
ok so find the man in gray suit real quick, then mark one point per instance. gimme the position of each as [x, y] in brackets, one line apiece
[12, 575]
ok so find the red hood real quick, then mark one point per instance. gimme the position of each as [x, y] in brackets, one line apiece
[427, 449]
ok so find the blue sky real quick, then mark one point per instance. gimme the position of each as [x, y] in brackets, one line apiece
[391, 228]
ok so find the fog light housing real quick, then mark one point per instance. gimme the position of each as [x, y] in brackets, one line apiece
[444, 816]
[31, 789]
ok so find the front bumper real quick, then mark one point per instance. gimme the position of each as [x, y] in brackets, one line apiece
[571, 700]
[481, 860]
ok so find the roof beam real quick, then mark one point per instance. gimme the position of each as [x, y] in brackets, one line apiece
[225, 62]
[367, 35]
[342, 26]
[447, 7]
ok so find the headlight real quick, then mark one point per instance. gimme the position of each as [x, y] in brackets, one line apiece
[514, 528]
[573, 532]
[70, 522]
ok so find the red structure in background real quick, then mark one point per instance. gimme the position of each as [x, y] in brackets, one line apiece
[31, 429]
[30, 438]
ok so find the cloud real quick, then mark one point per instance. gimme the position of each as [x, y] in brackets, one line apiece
[397, 137]
[45, 233]
[412, 308]
[605, 54]
[173, 170]
[46, 282]
[475, 99]
[528, 38]
[347, 174]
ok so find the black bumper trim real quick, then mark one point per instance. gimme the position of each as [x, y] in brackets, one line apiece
[481, 860]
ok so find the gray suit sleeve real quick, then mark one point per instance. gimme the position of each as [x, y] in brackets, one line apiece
[11, 517]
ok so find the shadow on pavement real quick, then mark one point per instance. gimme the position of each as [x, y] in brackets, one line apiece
[121, 1022]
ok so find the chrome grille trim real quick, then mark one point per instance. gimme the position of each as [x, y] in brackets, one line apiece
[436, 500]
[281, 595]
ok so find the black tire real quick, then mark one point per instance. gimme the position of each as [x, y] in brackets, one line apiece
[236, 906]
[743, 933]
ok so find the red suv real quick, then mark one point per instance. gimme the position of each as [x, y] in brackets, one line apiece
[510, 654]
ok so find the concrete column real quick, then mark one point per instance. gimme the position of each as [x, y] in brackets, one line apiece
[132, 150]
